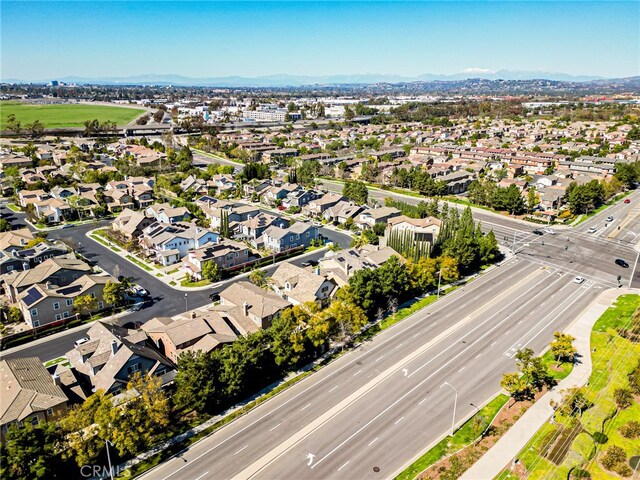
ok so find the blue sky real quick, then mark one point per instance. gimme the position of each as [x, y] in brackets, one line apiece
[44, 40]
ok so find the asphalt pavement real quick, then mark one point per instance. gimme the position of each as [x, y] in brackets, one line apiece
[382, 404]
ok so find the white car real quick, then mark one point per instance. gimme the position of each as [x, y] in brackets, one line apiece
[578, 279]
[609, 218]
[593, 230]
[138, 290]
[80, 341]
[550, 231]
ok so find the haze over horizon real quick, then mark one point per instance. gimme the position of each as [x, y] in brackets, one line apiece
[309, 39]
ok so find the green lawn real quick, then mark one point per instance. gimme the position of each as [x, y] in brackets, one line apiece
[613, 357]
[65, 115]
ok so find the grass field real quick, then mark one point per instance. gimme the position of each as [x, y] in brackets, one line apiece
[62, 115]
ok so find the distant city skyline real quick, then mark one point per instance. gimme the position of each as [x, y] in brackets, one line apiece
[54, 40]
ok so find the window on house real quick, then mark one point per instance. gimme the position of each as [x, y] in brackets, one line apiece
[9, 268]
[49, 411]
[34, 421]
[100, 305]
[308, 234]
[58, 316]
[65, 314]
[93, 295]
[56, 305]
[69, 302]
[34, 312]
[134, 368]
[36, 323]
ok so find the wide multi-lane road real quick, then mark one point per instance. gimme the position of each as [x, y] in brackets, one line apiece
[390, 396]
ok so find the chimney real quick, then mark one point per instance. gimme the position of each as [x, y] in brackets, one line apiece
[193, 314]
[56, 379]
[48, 285]
[245, 309]
[317, 270]
[114, 347]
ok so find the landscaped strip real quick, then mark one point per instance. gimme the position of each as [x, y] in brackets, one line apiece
[468, 433]
[575, 441]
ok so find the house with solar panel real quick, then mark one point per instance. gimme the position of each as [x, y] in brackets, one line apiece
[45, 304]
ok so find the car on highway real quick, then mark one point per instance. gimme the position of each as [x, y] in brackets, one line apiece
[550, 231]
[538, 232]
[622, 263]
[578, 279]
[626, 200]
[609, 218]
[80, 341]
[593, 230]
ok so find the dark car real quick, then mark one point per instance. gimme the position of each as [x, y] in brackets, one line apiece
[214, 297]
[310, 263]
[538, 232]
[622, 263]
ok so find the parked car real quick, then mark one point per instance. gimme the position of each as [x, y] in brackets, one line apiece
[622, 263]
[214, 297]
[310, 263]
[578, 279]
[80, 341]
[626, 200]
[550, 231]
[593, 230]
[609, 218]
[138, 290]
[538, 232]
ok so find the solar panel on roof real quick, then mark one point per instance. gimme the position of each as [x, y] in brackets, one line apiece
[32, 296]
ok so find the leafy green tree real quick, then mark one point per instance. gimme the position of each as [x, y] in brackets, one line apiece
[356, 191]
[197, 382]
[515, 385]
[211, 271]
[562, 347]
[623, 397]
[35, 129]
[257, 277]
[628, 173]
[533, 368]
[449, 269]
[113, 293]
[30, 452]
[5, 226]
[85, 304]
[423, 273]
[14, 314]
[13, 124]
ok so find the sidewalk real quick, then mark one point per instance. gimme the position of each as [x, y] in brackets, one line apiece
[509, 446]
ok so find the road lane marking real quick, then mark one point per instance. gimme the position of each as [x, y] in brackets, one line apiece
[415, 335]
[422, 401]
[372, 441]
[240, 450]
[268, 458]
[273, 428]
[202, 476]
[305, 407]
[398, 346]
[507, 332]
[493, 344]
[356, 373]
[348, 461]
[398, 421]
[461, 369]
[379, 358]
[478, 355]
[333, 388]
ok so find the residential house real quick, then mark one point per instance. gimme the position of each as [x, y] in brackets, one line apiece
[298, 285]
[342, 211]
[372, 216]
[341, 265]
[226, 254]
[298, 198]
[250, 307]
[57, 271]
[113, 354]
[224, 182]
[165, 213]
[46, 303]
[300, 234]
[131, 224]
[194, 331]
[16, 259]
[317, 207]
[29, 394]
[168, 243]
[253, 228]
[420, 229]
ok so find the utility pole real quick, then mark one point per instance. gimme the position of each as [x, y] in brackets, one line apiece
[106, 445]
[439, 279]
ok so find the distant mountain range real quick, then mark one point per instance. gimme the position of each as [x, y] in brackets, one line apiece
[308, 80]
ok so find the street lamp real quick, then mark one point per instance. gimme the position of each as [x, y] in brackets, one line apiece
[439, 279]
[186, 305]
[455, 404]
[106, 445]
